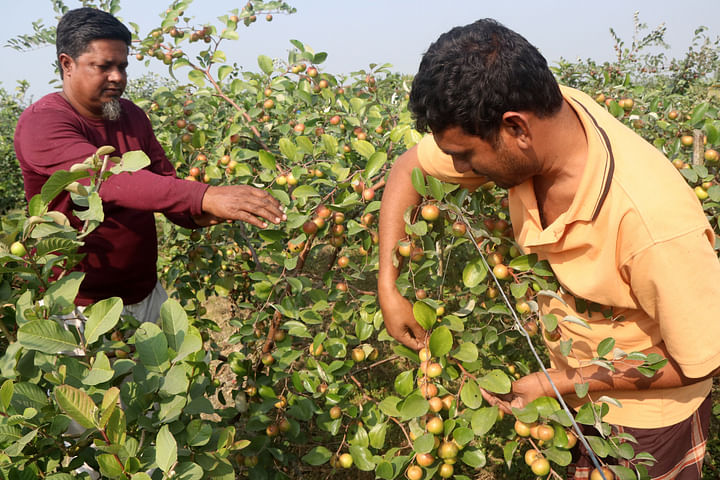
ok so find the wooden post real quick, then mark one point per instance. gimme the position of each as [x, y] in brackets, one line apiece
[698, 147]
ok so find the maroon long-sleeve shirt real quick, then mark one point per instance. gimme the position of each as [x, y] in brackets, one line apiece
[121, 254]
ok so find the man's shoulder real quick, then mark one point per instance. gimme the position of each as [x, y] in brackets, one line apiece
[50, 103]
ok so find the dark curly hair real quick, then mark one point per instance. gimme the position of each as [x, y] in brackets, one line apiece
[78, 27]
[472, 75]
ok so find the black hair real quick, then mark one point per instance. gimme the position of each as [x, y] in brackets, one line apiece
[473, 74]
[78, 27]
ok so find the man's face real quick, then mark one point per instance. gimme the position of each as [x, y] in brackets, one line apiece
[96, 77]
[495, 162]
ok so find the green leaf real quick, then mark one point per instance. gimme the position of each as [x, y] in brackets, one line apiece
[528, 414]
[364, 148]
[374, 164]
[377, 435]
[560, 456]
[152, 347]
[470, 394]
[197, 77]
[165, 449]
[267, 160]
[6, 393]
[412, 407]
[550, 322]
[224, 71]
[581, 389]
[46, 336]
[287, 148]
[102, 317]
[509, 452]
[390, 406]
[17, 447]
[467, 352]
[109, 465]
[362, 458]
[474, 272]
[605, 346]
[418, 181]
[425, 443]
[317, 456]
[174, 322]
[109, 403]
[266, 64]
[405, 382]
[331, 144]
[188, 471]
[473, 457]
[424, 314]
[57, 183]
[441, 341]
[495, 381]
[623, 473]
[577, 321]
[697, 119]
[305, 191]
[62, 293]
[101, 371]
[132, 161]
[523, 263]
[483, 420]
[76, 404]
[436, 188]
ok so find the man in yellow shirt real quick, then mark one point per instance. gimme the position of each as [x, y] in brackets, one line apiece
[615, 220]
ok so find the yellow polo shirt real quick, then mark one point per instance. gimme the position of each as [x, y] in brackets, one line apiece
[635, 241]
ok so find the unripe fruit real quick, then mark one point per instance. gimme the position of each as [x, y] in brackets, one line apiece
[424, 354]
[701, 193]
[291, 180]
[343, 261]
[609, 475]
[18, 249]
[571, 440]
[404, 248]
[316, 351]
[434, 370]
[368, 194]
[530, 456]
[501, 271]
[448, 450]
[540, 467]
[446, 470]
[459, 229]
[268, 359]
[522, 428]
[424, 459]
[436, 405]
[284, 425]
[272, 430]
[268, 104]
[435, 425]
[345, 460]
[673, 114]
[358, 354]
[430, 212]
[312, 72]
[342, 286]
[281, 180]
[323, 211]
[428, 390]
[310, 228]
[414, 472]
[686, 140]
[545, 433]
[335, 412]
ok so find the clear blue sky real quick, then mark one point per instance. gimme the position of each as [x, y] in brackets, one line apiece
[357, 33]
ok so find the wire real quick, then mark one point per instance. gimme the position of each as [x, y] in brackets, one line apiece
[518, 326]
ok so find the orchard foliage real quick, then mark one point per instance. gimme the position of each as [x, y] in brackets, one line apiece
[317, 385]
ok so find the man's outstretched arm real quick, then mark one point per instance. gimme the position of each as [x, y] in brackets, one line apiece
[398, 196]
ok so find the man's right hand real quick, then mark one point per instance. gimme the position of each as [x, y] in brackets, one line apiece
[399, 319]
[239, 202]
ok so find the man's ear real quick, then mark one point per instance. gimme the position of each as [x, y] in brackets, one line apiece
[515, 127]
[66, 62]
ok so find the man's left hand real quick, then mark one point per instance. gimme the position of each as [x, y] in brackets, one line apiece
[239, 202]
[523, 391]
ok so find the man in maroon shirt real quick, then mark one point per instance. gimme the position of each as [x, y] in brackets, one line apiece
[65, 128]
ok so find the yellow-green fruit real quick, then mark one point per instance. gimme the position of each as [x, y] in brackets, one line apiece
[345, 460]
[540, 467]
[18, 249]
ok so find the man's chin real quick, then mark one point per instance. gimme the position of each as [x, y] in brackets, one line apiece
[112, 109]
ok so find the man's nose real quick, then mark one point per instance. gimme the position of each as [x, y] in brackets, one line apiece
[461, 166]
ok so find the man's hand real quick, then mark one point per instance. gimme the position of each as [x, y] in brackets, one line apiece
[239, 202]
[524, 391]
[400, 321]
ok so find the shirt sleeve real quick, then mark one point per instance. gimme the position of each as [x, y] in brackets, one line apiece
[440, 165]
[155, 188]
[677, 282]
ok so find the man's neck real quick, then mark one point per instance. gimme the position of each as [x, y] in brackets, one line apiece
[564, 156]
